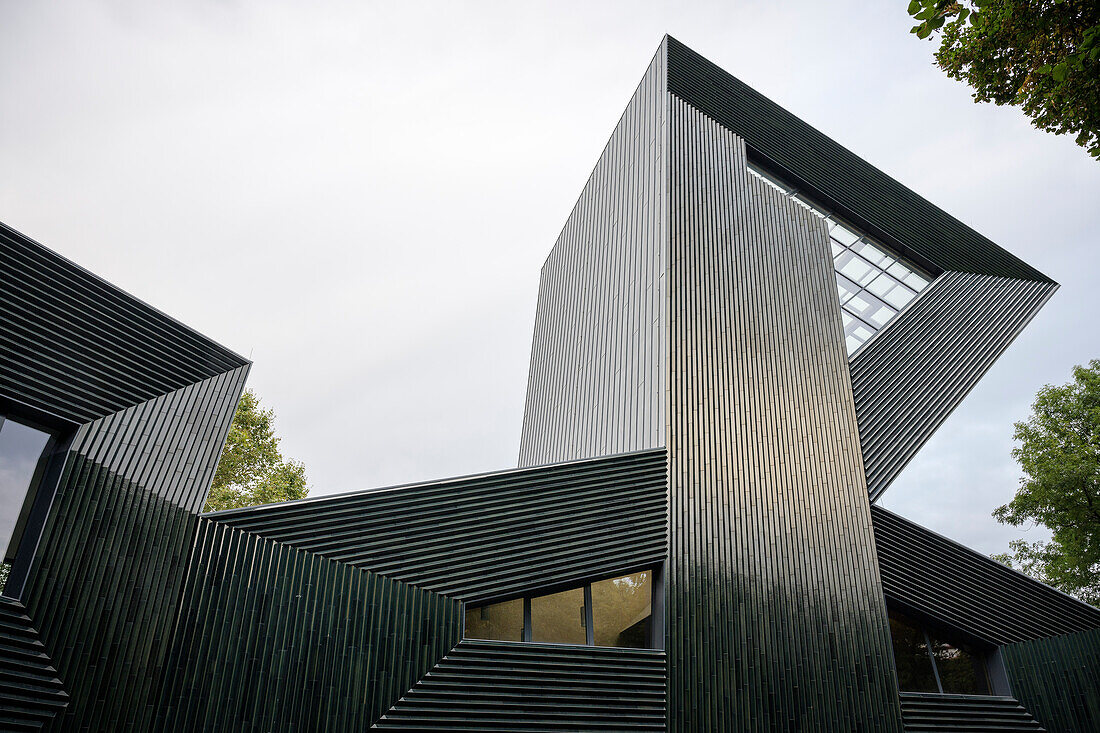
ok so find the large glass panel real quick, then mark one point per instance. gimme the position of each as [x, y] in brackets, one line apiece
[621, 610]
[861, 264]
[21, 449]
[911, 655]
[962, 672]
[499, 621]
[559, 618]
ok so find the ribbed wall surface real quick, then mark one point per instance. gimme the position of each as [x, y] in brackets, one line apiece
[835, 175]
[536, 687]
[1058, 680]
[78, 347]
[966, 590]
[30, 693]
[104, 588]
[595, 384]
[274, 638]
[487, 536]
[912, 375]
[775, 610]
[965, 714]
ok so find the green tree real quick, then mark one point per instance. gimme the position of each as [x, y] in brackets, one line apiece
[252, 470]
[1059, 452]
[1039, 54]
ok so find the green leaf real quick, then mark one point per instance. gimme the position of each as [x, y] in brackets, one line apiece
[914, 7]
[964, 14]
[1044, 69]
[1058, 73]
[924, 32]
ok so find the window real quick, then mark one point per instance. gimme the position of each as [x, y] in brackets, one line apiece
[873, 283]
[932, 661]
[23, 454]
[613, 612]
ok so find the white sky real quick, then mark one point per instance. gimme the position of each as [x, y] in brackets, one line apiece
[359, 196]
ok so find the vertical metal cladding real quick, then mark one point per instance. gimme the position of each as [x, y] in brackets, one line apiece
[776, 617]
[595, 381]
[106, 580]
[502, 686]
[1058, 680]
[30, 692]
[489, 536]
[275, 638]
[963, 589]
[144, 404]
[909, 378]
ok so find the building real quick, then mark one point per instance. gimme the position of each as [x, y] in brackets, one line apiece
[690, 541]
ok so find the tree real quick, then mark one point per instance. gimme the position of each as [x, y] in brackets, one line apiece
[1059, 452]
[252, 470]
[1043, 55]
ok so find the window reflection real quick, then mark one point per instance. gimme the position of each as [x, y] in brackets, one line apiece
[21, 456]
[930, 661]
[872, 281]
[499, 621]
[559, 618]
[615, 612]
[621, 611]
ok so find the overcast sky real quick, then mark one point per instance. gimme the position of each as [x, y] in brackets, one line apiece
[359, 197]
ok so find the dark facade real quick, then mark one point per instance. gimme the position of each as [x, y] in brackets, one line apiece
[744, 334]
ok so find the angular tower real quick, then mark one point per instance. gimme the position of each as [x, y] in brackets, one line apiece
[691, 303]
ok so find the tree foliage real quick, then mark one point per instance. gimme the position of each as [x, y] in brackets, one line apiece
[1043, 55]
[1059, 452]
[252, 470]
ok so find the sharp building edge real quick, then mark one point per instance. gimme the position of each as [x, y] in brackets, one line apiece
[700, 434]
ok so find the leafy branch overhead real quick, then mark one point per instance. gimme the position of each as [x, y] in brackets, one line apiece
[252, 469]
[1042, 55]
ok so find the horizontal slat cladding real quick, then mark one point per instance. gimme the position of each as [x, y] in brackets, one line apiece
[594, 386]
[835, 175]
[965, 714]
[536, 687]
[1058, 680]
[273, 638]
[965, 589]
[487, 536]
[912, 375]
[106, 580]
[80, 348]
[30, 693]
[776, 619]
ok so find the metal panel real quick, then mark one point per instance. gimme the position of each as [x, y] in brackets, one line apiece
[30, 693]
[836, 176]
[487, 536]
[535, 687]
[1058, 679]
[776, 618]
[934, 576]
[273, 638]
[80, 348]
[595, 384]
[971, 713]
[909, 378]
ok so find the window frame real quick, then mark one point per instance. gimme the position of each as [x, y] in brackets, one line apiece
[987, 656]
[655, 635]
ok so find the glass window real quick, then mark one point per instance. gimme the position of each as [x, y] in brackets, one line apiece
[499, 621]
[559, 618]
[621, 610]
[864, 264]
[914, 665]
[931, 661]
[962, 672]
[21, 457]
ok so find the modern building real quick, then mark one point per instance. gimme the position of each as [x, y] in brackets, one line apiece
[744, 334]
